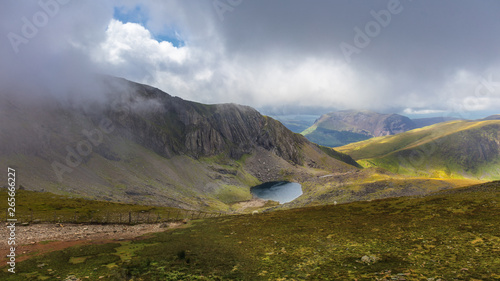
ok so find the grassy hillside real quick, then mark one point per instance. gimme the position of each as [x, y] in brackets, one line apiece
[140, 176]
[35, 207]
[450, 235]
[369, 184]
[456, 149]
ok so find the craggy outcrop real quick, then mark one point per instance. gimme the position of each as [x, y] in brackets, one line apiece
[176, 126]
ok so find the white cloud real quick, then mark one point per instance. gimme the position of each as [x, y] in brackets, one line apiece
[125, 41]
[467, 91]
[206, 75]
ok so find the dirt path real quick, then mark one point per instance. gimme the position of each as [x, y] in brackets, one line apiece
[38, 239]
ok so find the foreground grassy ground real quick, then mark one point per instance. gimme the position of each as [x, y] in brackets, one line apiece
[34, 206]
[451, 235]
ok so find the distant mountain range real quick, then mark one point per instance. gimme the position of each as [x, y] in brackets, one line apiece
[493, 117]
[296, 123]
[348, 126]
[456, 149]
[139, 144]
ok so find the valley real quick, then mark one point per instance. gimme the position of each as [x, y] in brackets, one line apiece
[154, 149]
[141, 161]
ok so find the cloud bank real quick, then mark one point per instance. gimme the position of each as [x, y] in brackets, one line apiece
[417, 57]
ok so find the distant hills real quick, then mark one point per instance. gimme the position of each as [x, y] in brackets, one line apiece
[423, 122]
[348, 126]
[138, 144]
[493, 117]
[296, 123]
[456, 149]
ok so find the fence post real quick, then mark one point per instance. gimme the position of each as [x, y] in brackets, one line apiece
[129, 217]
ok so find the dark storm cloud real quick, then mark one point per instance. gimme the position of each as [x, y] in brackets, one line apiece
[425, 33]
[422, 47]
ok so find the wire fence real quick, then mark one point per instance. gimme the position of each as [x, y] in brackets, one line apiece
[105, 217]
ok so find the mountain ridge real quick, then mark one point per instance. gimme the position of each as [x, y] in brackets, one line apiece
[456, 149]
[140, 145]
[341, 127]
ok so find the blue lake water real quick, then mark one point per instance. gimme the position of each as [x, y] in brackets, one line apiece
[282, 191]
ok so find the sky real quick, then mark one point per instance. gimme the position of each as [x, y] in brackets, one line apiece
[417, 58]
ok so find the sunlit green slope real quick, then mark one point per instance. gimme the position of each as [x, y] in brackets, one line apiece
[457, 149]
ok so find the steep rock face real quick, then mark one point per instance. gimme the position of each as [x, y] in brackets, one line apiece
[176, 126]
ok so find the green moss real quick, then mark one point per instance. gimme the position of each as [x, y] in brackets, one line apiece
[76, 260]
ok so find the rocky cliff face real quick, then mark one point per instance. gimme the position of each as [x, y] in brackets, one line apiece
[174, 126]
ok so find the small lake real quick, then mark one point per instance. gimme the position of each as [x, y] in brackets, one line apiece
[281, 191]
